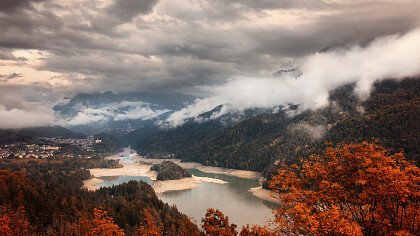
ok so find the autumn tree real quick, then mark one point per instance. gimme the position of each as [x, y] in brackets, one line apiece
[101, 224]
[215, 223]
[150, 227]
[352, 189]
[13, 222]
[256, 230]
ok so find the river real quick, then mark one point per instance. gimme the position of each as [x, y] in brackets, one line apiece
[233, 198]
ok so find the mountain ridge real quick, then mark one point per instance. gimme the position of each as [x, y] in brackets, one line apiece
[262, 141]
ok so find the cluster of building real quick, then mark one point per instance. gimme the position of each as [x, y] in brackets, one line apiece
[85, 144]
[50, 147]
[23, 150]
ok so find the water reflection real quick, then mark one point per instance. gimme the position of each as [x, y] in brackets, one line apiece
[233, 199]
[116, 180]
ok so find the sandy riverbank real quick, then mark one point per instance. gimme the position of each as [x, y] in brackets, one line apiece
[208, 169]
[182, 184]
[264, 194]
[90, 184]
[136, 169]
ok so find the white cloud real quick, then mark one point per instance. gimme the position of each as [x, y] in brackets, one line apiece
[21, 118]
[395, 57]
[124, 110]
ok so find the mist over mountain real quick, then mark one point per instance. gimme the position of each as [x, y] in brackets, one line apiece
[309, 85]
[258, 142]
[117, 112]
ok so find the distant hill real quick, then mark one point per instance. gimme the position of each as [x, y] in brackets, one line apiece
[391, 116]
[137, 135]
[191, 128]
[107, 143]
[7, 136]
[49, 131]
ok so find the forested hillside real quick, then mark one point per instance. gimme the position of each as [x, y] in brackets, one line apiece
[7, 136]
[51, 202]
[391, 116]
[50, 131]
[388, 116]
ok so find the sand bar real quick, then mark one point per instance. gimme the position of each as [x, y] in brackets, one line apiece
[90, 184]
[208, 169]
[182, 184]
[264, 194]
[134, 168]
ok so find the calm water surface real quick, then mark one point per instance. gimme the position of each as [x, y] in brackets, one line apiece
[116, 180]
[232, 198]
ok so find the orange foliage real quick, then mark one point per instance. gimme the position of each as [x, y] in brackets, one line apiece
[255, 230]
[151, 228]
[13, 222]
[216, 224]
[354, 189]
[101, 224]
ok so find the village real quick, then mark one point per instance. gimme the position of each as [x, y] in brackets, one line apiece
[49, 148]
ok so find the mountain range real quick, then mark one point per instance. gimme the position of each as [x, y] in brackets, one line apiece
[117, 113]
[257, 139]
[264, 141]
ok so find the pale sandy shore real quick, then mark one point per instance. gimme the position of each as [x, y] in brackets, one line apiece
[264, 194]
[90, 184]
[208, 169]
[137, 169]
[182, 184]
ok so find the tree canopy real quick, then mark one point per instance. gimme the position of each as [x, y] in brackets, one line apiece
[352, 189]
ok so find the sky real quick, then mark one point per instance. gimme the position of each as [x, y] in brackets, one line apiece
[223, 51]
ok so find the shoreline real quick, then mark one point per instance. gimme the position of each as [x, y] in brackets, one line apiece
[246, 174]
[136, 169]
[140, 166]
[182, 184]
[264, 194]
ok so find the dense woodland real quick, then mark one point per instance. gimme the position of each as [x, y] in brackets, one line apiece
[7, 137]
[263, 142]
[53, 203]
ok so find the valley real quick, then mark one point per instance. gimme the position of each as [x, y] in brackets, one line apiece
[220, 187]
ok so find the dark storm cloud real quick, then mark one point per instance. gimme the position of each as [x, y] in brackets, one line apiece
[126, 10]
[350, 24]
[173, 45]
[170, 44]
[13, 5]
